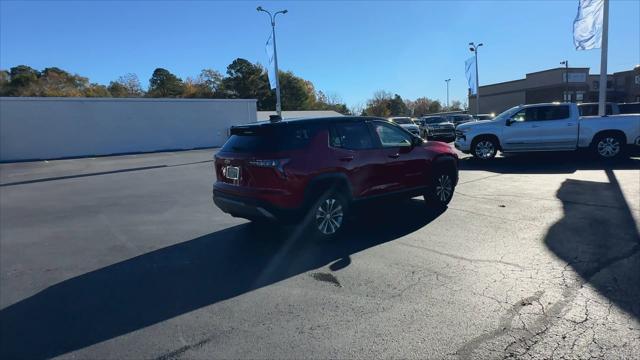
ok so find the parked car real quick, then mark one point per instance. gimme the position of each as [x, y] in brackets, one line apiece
[629, 108]
[458, 119]
[484, 116]
[437, 127]
[407, 124]
[312, 170]
[591, 109]
[548, 127]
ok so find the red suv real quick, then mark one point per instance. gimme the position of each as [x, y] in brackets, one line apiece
[312, 170]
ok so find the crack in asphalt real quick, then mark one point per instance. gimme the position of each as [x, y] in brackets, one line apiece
[458, 257]
[178, 352]
[479, 179]
[521, 345]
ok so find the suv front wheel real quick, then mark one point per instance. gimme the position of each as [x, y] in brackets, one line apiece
[441, 190]
[327, 215]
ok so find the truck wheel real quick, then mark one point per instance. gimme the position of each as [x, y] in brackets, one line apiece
[326, 218]
[484, 148]
[608, 146]
[441, 190]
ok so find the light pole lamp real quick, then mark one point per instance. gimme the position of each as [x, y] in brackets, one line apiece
[566, 96]
[447, 81]
[272, 17]
[474, 49]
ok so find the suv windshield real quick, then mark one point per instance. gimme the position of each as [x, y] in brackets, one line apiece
[434, 120]
[268, 139]
[402, 121]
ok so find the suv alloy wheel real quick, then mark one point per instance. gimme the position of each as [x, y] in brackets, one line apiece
[441, 191]
[328, 215]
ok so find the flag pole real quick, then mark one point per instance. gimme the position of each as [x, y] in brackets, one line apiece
[602, 98]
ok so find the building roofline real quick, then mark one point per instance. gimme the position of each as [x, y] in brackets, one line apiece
[558, 68]
[504, 82]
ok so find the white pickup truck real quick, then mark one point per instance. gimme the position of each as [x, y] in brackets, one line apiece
[548, 127]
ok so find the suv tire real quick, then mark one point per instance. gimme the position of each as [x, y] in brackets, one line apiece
[441, 191]
[326, 217]
[608, 146]
[484, 148]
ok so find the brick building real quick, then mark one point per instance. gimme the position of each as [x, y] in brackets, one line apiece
[558, 84]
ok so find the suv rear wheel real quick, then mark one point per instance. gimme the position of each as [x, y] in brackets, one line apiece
[328, 215]
[441, 191]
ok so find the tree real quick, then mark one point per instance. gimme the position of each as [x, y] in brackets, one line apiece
[97, 90]
[379, 104]
[23, 81]
[5, 77]
[398, 107]
[165, 84]
[248, 81]
[296, 93]
[207, 85]
[54, 81]
[127, 85]
[456, 105]
[421, 106]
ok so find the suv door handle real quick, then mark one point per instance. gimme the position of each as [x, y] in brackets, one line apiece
[535, 126]
[570, 124]
[346, 158]
[394, 156]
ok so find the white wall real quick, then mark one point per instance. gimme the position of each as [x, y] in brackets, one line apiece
[49, 128]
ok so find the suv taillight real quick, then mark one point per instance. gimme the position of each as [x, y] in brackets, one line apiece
[277, 164]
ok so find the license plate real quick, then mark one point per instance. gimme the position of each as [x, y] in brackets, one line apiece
[232, 172]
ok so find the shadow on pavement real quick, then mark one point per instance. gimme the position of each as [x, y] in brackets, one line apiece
[546, 163]
[600, 242]
[174, 280]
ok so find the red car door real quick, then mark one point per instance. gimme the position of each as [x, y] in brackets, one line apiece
[405, 164]
[356, 151]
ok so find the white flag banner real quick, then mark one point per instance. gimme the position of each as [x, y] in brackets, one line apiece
[470, 71]
[587, 27]
[271, 69]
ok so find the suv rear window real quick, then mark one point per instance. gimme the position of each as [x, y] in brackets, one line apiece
[269, 139]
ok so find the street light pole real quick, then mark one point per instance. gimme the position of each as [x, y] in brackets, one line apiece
[474, 49]
[447, 81]
[275, 55]
[566, 96]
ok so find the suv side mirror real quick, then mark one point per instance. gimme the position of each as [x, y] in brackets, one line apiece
[416, 141]
[509, 122]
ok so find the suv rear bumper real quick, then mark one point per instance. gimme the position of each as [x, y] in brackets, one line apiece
[252, 209]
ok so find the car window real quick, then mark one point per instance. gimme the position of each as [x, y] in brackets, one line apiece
[592, 109]
[353, 135]
[269, 139]
[391, 136]
[542, 113]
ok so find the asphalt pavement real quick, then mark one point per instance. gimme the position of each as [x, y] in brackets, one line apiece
[537, 256]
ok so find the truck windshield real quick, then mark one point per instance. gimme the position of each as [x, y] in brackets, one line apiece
[506, 114]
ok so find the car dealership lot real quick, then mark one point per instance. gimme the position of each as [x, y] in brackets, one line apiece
[126, 257]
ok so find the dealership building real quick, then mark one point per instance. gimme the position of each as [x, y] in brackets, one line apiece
[559, 84]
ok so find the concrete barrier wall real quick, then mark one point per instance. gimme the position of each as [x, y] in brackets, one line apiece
[50, 128]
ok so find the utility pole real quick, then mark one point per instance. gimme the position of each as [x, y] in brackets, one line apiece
[602, 96]
[447, 81]
[275, 54]
[474, 49]
[566, 97]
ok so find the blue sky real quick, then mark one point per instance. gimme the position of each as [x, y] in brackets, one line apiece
[348, 48]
